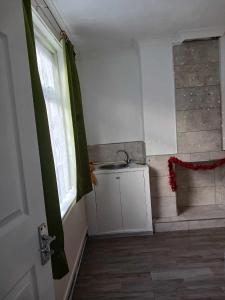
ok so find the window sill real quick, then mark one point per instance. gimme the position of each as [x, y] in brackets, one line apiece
[67, 204]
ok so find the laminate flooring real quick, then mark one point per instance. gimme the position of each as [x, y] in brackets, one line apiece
[166, 266]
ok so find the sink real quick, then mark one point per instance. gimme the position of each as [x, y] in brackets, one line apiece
[114, 166]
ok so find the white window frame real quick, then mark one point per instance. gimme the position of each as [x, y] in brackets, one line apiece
[48, 40]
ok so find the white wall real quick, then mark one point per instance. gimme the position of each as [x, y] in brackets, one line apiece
[158, 94]
[75, 229]
[129, 95]
[110, 85]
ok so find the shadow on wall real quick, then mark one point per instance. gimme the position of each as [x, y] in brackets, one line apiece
[196, 188]
[155, 192]
[183, 195]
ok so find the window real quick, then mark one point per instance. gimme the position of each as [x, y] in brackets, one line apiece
[53, 77]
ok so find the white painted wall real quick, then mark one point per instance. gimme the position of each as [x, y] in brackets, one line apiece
[158, 94]
[222, 82]
[129, 95]
[75, 229]
[110, 85]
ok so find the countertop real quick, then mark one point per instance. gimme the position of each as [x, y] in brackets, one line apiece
[131, 168]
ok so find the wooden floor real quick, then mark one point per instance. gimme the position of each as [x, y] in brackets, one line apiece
[176, 265]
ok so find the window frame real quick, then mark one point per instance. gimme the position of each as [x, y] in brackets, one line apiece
[49, 41]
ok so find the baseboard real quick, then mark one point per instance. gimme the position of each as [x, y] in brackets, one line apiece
[121, 234]
[75, 271]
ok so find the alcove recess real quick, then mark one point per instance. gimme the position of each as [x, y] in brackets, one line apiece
[200, 196]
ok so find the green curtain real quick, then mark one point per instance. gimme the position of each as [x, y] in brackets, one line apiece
[59, 262]
[84, 184]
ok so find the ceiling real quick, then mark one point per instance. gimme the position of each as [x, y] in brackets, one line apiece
[105, 23]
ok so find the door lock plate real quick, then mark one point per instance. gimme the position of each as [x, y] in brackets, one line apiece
[45, 241]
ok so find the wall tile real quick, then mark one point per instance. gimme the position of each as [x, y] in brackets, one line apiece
[220, 195]
[196, 52]
[189, 225]
[198, 97]
[198, 107]
[203, 212]
[217, 155]
[195, 196]
[164, 207]
[108, 152]
[214, 223]
[197, 75]
[158, 165]
[220, 176]
[160, 187]
[189, 178]
[200, 157]
[136, 150]
[172, 226]
[197, 120]
[184, 156]
[202, 141]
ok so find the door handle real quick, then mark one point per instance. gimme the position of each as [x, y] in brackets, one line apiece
[45, 240]
[48, 239]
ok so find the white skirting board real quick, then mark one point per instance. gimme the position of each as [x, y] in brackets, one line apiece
[75, 271]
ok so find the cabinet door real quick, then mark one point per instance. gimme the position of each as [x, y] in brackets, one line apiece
[109, 218]
[133, 200]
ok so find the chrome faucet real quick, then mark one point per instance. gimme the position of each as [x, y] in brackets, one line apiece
[127, 160]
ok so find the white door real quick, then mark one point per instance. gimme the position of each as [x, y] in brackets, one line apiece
[108, 203]
[22, 277]
[133, 200]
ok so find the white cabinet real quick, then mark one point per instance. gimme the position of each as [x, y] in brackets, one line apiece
[133, 200]
[120, 202]
[108, 205]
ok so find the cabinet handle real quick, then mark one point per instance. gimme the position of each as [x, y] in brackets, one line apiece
[117, 177]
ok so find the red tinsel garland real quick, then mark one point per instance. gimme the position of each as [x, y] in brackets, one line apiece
[193, 166]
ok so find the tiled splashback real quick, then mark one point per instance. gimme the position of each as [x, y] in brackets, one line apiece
[108, 152]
